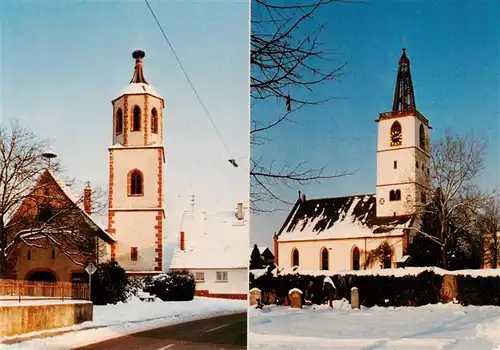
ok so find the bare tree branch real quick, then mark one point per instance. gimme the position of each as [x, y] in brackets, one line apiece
[286, 57]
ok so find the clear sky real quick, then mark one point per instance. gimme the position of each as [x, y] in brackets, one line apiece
[64, 62]
[454, 49]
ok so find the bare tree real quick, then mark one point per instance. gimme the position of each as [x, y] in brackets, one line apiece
[34, 211]
[286, 56]
[488, 229]
[453, 198]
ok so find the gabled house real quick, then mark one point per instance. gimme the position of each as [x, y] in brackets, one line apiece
[52, 235]
[213, 246]
[339, 234]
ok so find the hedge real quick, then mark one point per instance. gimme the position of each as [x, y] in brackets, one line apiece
[410, 290]
[478, 290]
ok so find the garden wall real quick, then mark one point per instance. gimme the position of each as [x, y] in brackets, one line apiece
[31, 316]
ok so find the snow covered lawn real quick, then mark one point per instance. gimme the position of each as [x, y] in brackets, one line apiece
[124, 318]
[442, 326]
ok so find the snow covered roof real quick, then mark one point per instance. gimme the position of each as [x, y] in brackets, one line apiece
[94, 223]
[340, 217]
[139, 88]
[213, 240]
[78, 201]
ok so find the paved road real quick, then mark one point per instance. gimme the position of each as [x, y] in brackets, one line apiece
[218, 333]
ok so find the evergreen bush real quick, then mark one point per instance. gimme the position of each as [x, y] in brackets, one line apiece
[172, 286]
[478, 290]
[109, 284]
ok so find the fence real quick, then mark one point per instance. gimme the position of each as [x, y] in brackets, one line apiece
[29, 290]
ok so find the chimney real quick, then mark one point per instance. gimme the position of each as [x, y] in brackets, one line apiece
[182, 241]
[239, 211]
[275, 239]
[87, 200]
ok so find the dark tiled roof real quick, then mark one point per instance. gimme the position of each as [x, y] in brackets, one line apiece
[325, 212]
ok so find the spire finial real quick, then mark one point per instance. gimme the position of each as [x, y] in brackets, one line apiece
[138, 76]
[404, 97]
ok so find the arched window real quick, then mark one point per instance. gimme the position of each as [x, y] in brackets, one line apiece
[136, 119]
[392, 195]
[136, 183]
[295, 257]
[422, 136]
[119, 121]
[398, 195]
[355, 258]
[154, 121]
[324, 259]
[53, 254]
[396, 134]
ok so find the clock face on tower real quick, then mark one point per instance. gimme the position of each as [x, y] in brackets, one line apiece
[396, 137]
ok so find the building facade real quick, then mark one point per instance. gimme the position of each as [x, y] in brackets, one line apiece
[370, 231]
[213, 246]
[60, 236]
[136, 159]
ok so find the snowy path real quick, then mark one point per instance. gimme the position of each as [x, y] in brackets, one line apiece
[443, 327]
[112, 321]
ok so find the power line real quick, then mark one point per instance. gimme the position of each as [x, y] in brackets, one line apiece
[231, 160]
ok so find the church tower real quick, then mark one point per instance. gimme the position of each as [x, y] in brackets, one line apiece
[403, 158]
[136, 158]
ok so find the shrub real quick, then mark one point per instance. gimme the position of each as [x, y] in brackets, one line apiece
[136, 284]
[478, 290]
[172, 286]
[109, 284]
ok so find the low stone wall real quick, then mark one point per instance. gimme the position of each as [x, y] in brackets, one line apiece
[26, 317]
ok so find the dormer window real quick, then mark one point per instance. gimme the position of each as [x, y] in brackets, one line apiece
[45, 213]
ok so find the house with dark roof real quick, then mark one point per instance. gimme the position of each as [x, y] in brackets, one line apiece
[367, 231]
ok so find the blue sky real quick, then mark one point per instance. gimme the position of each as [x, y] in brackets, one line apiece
[454, 49]
[64, 62]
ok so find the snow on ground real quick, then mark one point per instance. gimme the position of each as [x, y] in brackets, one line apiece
[112, 321]
[441, 326]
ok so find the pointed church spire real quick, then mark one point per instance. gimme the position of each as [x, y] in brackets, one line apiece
[138, 77]
[404, 98]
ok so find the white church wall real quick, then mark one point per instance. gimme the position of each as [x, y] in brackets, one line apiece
[136, 229]
[340, 251]
[410, 170]
[125, 160]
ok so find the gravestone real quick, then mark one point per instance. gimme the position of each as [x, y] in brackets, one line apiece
[255, 294]
[295, 296]
[354, 298]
